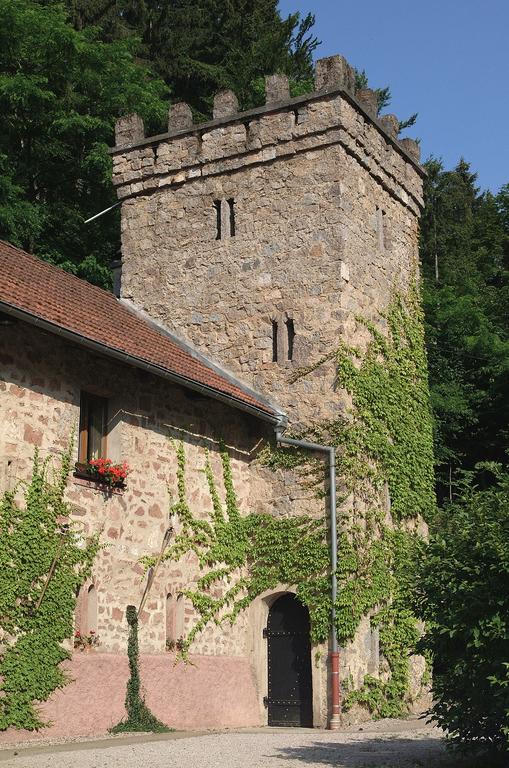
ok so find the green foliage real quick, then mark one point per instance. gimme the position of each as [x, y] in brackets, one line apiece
[60, 93]
[377, 581]
[465, 257]
[200, 48]
[390, 437]
[463, 595]
[386, 442]
[43, 561]
[139, 717]
[250, 554]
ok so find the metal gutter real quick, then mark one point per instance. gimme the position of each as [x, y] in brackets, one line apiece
[335, 719]
[277, 418]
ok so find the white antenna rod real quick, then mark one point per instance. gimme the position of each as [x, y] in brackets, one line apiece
[103, 212]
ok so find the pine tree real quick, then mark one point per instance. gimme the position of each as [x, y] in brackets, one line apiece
[199, 48]
[465, 256]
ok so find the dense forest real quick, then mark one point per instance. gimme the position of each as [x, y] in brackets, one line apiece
[68, 70]
[465, 263]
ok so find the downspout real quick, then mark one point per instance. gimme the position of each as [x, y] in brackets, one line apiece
[335, 719]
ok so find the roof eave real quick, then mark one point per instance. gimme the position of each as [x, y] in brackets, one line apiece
[275, 418]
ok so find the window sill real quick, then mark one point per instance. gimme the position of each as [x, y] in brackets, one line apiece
[81, 477]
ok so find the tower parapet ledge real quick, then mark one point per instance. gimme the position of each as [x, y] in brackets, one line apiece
[333, 114]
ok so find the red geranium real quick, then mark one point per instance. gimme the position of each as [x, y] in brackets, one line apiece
[109, 473]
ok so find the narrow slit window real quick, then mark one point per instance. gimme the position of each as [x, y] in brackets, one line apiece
[179, 625]
[217, 206]
[274, 341]
[290, 329]
[380, 227]
[170, 619]
[374, 650]
[231, 205]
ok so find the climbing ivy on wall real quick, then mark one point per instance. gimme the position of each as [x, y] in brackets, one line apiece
[250, 554]
[389, 439]
[139, 717]
[385, 466]
[43, 561]
[385, 462]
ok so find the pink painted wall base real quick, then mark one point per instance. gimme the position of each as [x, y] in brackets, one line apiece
[211, 692]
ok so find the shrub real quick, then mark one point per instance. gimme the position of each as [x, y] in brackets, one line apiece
[464, 599]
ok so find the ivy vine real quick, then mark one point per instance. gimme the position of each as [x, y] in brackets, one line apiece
[385, 463]
[43, 562]
[139, 717]
[244, 556]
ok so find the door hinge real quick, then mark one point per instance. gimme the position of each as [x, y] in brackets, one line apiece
[266, 702]
[265, 633]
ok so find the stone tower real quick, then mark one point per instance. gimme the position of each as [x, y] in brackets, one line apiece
[260, 235]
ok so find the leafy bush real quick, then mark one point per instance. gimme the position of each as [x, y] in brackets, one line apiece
[464, 598]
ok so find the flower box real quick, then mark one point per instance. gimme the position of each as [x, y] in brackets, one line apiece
[104, 472]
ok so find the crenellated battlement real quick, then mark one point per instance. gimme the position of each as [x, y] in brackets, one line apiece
[283, 127]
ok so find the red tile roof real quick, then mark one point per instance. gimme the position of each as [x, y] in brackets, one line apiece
[92, 316]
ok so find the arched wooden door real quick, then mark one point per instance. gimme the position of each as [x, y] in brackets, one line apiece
[289, 699]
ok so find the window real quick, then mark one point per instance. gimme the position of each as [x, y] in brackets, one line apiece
[93, 413]
[274, 341]
[373, 640]
[91, 618]
[283, 338]
[179, 617]
[380, 228]
[231, 206]
[290, 330]
[225, 218]
[217, 206]
[170, 620]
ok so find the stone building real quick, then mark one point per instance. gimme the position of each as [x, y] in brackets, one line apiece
[249, 245]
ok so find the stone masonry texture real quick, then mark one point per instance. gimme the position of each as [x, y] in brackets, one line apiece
[326, 205]
[306, 210]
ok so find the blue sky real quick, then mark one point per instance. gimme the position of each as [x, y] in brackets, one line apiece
[446, 60]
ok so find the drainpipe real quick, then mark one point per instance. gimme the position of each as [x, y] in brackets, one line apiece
[335, 719]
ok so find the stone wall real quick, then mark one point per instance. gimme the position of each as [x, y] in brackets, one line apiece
[326, 206]
[41, 380]
[326, 203]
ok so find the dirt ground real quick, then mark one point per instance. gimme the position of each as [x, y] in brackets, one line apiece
[386, 744]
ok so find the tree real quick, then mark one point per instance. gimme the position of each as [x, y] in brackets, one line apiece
[201, 48]
[60, 93]
[465, 259]
[463, 596]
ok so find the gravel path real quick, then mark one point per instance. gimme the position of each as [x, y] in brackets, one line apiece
[391, 744]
